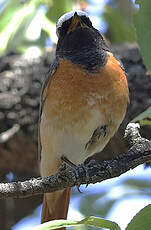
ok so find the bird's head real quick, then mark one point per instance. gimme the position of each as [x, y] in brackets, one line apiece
[78, 40]
[72, 21]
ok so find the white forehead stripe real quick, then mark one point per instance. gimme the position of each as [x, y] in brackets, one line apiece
[69, 15]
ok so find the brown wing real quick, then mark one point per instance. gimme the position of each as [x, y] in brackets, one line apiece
[52, 70]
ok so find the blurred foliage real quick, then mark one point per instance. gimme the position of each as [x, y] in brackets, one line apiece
[142, 23]
[144, 118]
[58, 8]
[143, 30]
[16, 17]
[119, 29]
[119, 14]
[100, 202]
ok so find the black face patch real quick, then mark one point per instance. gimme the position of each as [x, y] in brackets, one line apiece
[85, 47]
[62, 31]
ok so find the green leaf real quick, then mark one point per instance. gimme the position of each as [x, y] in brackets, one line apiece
[58, 8]
[100, 223]
[120, 29]
[91, 221]
[142, 24]
[55, 224]
[142, 220]
[144, 118]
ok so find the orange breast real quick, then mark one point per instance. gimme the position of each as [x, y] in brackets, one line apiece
[71, 91]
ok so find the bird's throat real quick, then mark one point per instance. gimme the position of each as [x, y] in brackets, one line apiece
[81, 47]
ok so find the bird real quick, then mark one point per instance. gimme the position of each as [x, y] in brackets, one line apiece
[83, 102]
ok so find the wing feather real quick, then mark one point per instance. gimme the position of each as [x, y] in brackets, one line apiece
[52, 70]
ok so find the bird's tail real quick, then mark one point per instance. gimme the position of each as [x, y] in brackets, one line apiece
[55, 205]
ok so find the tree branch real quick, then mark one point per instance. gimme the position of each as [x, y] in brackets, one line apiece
[86, 173]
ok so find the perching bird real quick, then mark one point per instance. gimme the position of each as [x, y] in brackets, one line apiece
[83, 102]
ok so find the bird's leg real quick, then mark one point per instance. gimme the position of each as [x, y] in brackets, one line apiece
[68, 162]
[73, 166]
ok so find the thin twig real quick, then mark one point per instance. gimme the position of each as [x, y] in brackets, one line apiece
[8, 134]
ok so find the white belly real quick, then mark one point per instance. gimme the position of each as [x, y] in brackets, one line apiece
[71, 139]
